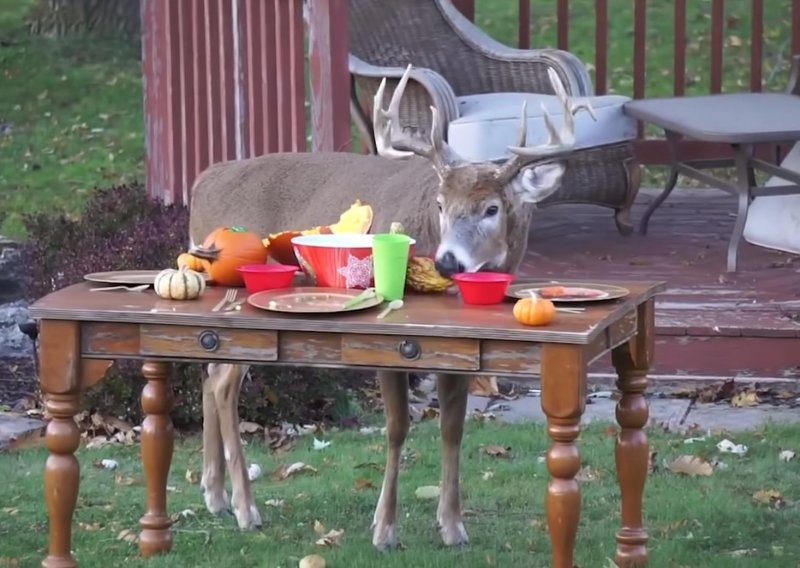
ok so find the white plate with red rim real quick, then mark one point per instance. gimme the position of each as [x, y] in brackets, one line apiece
[567, 291]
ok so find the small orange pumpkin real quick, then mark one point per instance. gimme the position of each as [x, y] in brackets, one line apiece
[225, 250]
[534, 311]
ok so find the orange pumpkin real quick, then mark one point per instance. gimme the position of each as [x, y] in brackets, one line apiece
[228, 248]
[534, 311]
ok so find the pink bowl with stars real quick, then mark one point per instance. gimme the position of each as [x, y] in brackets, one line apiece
[337, 261]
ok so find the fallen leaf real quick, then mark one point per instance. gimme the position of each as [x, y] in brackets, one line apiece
[248, 427]
[735, 41]
[319, 444]
[586, 474]
[10, 511]
[88, 527]
[484, 386]
[285, 471]
[487, 475]
[128, 536]
[429, 413]
[185, 514]
[691, 465]
[277, 503]
[786, 455]
[192, 476]
[122, 479]
[364, 483]
[370, 465]
[312, 561]
[769, 497]
[479, 416]
[652, 464]
[327, 537]
[745, 399]
[428, 492]
[497, 451]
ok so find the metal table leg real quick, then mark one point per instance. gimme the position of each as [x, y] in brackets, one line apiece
[745, 180]
[672, 180]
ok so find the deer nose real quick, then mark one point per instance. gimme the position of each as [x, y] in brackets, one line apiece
[448, 264]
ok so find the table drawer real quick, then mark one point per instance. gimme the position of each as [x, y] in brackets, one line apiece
[208, 343]
[433, 353]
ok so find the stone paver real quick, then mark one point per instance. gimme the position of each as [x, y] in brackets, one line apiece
[15, 428]
[720, 416]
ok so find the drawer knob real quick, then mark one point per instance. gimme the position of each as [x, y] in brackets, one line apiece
[409, 350]
[209, 340]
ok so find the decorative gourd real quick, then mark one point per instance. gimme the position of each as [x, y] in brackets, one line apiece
[228, 248]
[422, 276]
[534, 311]
[188, 260]
[356, 220]
[181, 284]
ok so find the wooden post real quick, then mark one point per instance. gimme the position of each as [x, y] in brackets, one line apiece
[223, 80]
[330, 76]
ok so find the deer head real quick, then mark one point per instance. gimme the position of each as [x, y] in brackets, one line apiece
[483, 207]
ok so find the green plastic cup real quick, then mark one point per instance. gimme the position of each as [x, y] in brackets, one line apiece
[390, 261]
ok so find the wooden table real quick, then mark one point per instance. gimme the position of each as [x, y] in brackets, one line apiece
[82, 331]
[739, 120]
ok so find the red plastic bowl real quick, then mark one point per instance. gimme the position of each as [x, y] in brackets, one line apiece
[258, 277]
[337, 261]
[483, 287]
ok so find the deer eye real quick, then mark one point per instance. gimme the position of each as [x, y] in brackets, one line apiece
[492, 210]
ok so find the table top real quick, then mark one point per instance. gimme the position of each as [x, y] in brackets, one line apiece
[423, 315]
[735, 118]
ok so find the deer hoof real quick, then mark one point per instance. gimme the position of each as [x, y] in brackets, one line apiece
[248, 518]
[453, 533]
[384, 537]
[217, 502]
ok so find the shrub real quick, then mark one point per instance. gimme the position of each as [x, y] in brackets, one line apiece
[120, 229]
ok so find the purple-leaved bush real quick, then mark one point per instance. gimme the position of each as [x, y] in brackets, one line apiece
[120, 229]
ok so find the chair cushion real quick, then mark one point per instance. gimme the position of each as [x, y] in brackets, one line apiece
[489, 123]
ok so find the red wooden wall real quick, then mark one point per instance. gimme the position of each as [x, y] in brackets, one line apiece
[228, 79]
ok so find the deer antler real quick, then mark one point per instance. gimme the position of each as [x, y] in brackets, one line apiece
[558, 143]
[385, 121]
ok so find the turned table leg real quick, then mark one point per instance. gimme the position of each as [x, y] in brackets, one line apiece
[632, 361]
[563, 402]
[61, 477]
[158, 440]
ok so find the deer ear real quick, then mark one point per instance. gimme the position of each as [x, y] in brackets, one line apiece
[534, 184]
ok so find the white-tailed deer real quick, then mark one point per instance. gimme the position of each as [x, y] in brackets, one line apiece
[471, 216]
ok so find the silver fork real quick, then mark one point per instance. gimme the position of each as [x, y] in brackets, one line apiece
[230, 296]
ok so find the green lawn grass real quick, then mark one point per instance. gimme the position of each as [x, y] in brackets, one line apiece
[693, 521]
[72, 108]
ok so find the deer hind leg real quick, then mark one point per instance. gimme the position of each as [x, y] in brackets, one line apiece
[226, 393]
[213, 480]
[394, 391]
[452, 391]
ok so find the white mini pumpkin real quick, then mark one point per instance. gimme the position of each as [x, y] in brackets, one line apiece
[181, 284]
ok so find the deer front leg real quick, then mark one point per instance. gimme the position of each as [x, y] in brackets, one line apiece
[394, 391]
[226, 393]
[453, 404]
[213, 480]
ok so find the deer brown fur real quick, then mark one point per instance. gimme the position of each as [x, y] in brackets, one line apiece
[469, 216]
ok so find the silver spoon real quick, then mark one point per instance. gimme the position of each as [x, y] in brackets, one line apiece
[393, 305]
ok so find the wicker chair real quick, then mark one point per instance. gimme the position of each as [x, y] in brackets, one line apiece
[455, 64]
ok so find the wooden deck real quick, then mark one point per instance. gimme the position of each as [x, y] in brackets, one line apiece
[710, 323]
